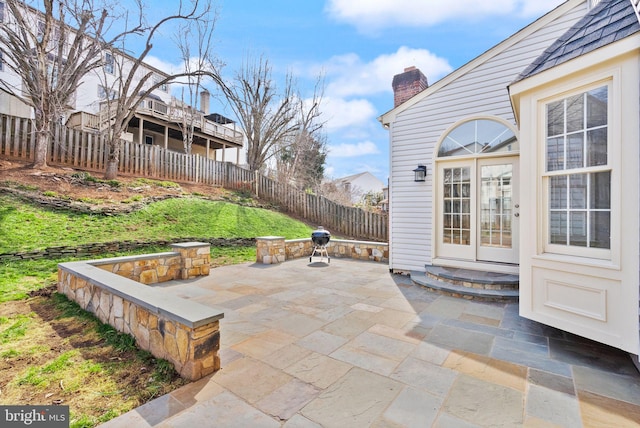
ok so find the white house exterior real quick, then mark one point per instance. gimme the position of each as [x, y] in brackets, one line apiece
[158, 117]
[578, 112]
[358, 185]
[508, 192]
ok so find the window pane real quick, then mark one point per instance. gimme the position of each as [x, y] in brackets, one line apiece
[555, 154]
[558, 192]
[600, 225]
[597, 147]
[575, 113]
[555, 118]
[600, 194]
[597, 107]
[558, 228]
[578, 191]
[578, 231]
[466, 222]
[575, 151]
[478, 136]
[447, 175]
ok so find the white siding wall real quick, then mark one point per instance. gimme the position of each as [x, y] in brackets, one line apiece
[416, 131]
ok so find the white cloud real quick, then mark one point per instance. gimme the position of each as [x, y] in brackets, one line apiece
[163, 65]
[340, 113]
[538, 7]
[348, 75]
[353, 150]
[372, 15]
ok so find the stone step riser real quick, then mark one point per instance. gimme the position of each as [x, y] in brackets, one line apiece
[505, 299]
[476, 285]
[464, 292]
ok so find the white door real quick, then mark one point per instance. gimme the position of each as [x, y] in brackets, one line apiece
[498, 210]
[477, 211]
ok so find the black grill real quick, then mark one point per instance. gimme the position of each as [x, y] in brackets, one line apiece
[320, 239]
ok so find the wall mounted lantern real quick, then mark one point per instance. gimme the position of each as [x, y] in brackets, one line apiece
[420, 173]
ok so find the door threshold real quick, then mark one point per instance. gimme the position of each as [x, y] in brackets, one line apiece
[477, 265]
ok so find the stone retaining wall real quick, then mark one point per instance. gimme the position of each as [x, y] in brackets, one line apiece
[146, 269]
[186, 333]
[88, 250]
[270, 247]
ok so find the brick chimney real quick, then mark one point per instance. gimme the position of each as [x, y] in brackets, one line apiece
[408, 84]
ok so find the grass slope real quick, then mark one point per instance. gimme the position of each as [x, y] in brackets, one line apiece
[25, 227]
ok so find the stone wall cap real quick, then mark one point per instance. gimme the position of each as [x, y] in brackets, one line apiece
[190, 244]
[124, 259]
[270, 238]
[342, 241]
[190, 313]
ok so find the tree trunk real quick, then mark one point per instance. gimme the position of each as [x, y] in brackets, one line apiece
[40, 154]
[112, 170]
[112, 161]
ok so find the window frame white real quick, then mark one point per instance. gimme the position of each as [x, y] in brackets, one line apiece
[613, 164]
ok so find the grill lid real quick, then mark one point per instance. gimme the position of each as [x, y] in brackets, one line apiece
[320, 236]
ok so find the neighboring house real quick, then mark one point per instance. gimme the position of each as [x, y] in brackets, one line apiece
[159, 118]
[358, 185]
[532, 168]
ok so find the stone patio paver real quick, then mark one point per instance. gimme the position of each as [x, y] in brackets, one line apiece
[348, 344]
[356, 400]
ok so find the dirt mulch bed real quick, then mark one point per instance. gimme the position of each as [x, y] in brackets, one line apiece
[49, 354]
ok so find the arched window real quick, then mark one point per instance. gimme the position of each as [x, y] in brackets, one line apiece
[478, 136]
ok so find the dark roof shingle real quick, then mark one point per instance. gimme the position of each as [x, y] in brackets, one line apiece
[608, 22]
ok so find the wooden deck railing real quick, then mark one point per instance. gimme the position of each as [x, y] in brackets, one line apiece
[88, 151]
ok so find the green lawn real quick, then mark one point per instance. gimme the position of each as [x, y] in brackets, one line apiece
[25, 227]
[101, 374]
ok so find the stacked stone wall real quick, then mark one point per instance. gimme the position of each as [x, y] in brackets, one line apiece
[183, 332]
[150, 269]
[338, 248]
[193, 350]
[270, 250]
[88, 250]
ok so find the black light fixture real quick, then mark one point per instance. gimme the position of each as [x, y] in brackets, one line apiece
[420, 173]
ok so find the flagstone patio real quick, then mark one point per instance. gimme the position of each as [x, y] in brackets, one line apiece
[348, 344]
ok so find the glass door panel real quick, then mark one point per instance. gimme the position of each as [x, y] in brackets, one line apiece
[496, 207]
[497, 210]
[456, 216]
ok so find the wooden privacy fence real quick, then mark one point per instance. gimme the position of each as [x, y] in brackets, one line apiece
[88, 151]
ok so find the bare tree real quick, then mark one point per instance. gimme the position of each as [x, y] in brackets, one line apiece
[301, 158]
[135, 81]
[51, 51]
[266, 116]
[198, 37]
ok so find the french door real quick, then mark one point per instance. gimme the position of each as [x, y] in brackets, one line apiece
[477, 210]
